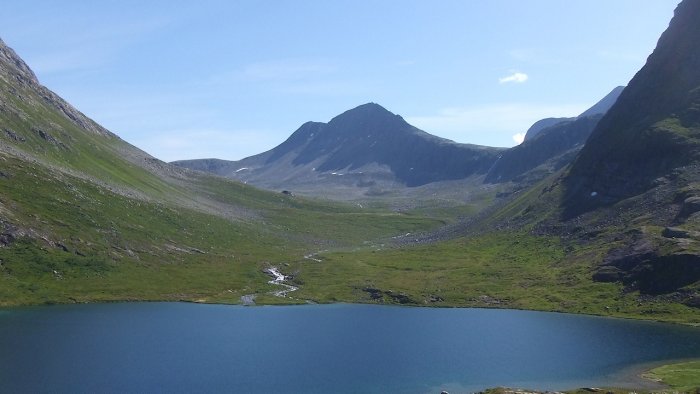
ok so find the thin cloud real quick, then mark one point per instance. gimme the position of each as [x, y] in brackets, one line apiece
[182, 144]
[516, 77]
[522, 54]
[288, 69]
[74, 50]
[274, 73]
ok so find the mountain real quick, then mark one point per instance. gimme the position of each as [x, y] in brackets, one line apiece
[599, 108]
[85, 216]
[552, 149]
[543, 124]
[630, 201]
[365, 146]
[372, 150]
[604, 105]
[641, 166]
[550, 144]
[653, 127]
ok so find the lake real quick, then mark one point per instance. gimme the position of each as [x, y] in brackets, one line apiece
[180, 347]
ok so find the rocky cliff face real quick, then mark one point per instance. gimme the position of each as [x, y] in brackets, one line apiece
[17, 77]
[14, 67]
[653, 128]
[634, 188]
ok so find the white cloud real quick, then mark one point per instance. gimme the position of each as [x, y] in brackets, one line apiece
[492, 125]
[519, 138]
[516, 77]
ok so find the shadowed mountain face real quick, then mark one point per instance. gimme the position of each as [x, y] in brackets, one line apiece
[600, 108]
[653, 128]
[550, 144]
[366, 137]
[373, 148]
[604, 105]
[633, 192]
[553, 148]
[542, 124]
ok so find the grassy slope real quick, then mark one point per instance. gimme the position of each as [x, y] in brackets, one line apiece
[681, 377]
[122, 248]
[497, 270]
[144, 248]
[96, 219]
[98, 222]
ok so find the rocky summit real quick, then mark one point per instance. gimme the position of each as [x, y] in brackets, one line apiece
[367, 144]
[373, 150]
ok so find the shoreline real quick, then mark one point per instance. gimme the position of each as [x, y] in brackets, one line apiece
[316, 302]
[629, 377]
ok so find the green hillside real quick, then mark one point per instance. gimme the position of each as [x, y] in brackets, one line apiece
[84, 216]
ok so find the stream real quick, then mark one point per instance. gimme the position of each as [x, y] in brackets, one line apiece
[278, 280]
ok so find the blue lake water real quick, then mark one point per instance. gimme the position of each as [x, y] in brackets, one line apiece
[179, 347]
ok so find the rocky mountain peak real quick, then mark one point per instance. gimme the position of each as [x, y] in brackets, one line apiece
[16, 72]
[366, 117]
[11, 64]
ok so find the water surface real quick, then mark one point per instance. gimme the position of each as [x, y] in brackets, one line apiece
[178, 347]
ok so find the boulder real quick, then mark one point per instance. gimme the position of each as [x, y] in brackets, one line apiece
[675, 232]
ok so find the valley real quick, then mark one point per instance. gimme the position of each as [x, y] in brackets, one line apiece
[389, 213]
[594, 216]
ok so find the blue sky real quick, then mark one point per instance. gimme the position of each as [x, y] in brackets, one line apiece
[229, 79]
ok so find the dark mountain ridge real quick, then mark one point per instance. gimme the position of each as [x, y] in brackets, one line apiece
[367, 135]
[370, 145]
[599, 108]
[550, 144]
[554, 147]
[542, 124]
[653, 127]
[631, 198]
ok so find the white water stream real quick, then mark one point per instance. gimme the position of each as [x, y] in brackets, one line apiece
[278, 280]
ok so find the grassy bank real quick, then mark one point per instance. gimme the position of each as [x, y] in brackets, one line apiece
[680, 377]
[498, 270]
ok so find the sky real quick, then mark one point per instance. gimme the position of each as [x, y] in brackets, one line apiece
[230, 79]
